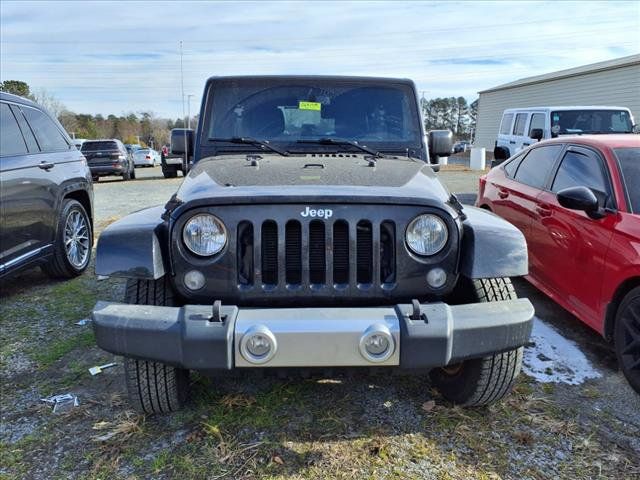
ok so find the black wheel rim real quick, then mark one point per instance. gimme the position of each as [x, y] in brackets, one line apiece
[630, 351]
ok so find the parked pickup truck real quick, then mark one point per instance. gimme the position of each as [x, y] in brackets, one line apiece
[172, 161]
[312, 235]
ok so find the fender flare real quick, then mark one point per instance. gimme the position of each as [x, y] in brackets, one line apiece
[132, 246]
[491, 246]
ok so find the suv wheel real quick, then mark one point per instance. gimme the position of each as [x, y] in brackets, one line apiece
[74, 240]
[126, 175]
[132, 175]
[627, 337]
[154, 387]
[481, 381]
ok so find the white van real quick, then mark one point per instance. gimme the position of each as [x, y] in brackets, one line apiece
[520, 127]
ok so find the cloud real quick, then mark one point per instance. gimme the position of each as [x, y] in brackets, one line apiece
[112, 57]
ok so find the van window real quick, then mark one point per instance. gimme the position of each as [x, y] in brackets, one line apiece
[11, 140]
[521, 120]
[505, 126]
[537, 121]
[537, 165]
[47, 133]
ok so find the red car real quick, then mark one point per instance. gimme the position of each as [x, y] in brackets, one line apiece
[577, 201]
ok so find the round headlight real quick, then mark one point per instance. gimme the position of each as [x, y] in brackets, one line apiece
[204, 235]
[427, 234]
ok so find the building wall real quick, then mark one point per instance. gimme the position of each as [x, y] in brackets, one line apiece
[617, 87]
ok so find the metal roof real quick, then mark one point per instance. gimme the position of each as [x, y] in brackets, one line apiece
[571, 72]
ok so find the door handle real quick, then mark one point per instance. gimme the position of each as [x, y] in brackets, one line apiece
[503, 193]
[543, 210]
[46, 165]
[512, 142]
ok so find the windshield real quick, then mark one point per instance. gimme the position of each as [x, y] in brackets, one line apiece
[384, 115]
[629, 161]
[590, 121]
[95, 146]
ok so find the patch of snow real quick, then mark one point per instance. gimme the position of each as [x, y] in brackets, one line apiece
[552, 358]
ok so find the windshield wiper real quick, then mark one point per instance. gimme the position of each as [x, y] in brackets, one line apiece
[344, 141]
[264, 144]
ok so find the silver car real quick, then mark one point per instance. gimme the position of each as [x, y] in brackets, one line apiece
[146, 157]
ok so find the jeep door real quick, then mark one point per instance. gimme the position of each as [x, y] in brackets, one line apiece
[568, 249]
[519, 137]
[28, 193]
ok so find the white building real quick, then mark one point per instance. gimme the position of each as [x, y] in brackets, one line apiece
[614, 82]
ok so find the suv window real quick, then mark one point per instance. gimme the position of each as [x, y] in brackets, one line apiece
[505, 126]
[27, 133]
[580, 170]
[96, 146]
[47, 133]
[518, 127]
[629, 161]
[591, 121]
[535, 167]
[11, 140]
[537, 121]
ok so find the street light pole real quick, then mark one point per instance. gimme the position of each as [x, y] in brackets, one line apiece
[189, 109]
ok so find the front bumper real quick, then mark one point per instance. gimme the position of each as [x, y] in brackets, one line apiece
[312, 337]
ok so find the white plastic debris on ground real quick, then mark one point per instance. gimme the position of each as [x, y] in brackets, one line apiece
[62, 403]
[554, 359]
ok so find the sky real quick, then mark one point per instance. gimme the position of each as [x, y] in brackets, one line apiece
[118, 57]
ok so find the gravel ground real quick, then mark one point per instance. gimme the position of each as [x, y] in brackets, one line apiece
[351, 427]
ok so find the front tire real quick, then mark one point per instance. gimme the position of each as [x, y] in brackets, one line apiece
[627, 337]
[154, 387]
[481, 381]
[73, 243]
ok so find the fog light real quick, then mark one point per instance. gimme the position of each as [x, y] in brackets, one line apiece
[376, 343]
[258, 344]
[194, 280]
[437, 277]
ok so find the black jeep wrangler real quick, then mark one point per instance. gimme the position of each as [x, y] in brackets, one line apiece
[312, 234]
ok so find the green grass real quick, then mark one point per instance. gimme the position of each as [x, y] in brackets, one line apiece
[57, 349]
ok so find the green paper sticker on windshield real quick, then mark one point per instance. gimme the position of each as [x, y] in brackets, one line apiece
[309, 105]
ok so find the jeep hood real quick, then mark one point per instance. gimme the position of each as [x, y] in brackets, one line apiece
[329, 178]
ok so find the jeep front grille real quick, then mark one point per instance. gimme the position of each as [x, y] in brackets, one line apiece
[316, 253]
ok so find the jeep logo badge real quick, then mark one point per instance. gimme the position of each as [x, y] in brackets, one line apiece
[321, 213]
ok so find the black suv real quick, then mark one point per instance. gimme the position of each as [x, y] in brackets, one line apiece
[46, 195]
[108, 157]
[313, 234]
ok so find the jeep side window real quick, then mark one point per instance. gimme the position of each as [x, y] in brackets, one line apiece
[49, 136]
[11, 140]
[505, 126]
[537, 121]
[537, 165]
[518, 127]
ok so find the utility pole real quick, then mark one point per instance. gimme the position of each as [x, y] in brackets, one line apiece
[189, 109]
[186, 152]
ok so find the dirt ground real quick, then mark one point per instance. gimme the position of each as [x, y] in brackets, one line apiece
[571, 416]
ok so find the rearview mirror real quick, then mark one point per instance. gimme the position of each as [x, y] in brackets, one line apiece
[536, 133]
[182, 141]
[440, 143]
[580, 198]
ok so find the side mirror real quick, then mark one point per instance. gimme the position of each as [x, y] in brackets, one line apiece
[536, 133]
[440, 143]
[182, 141]
[580, 198]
